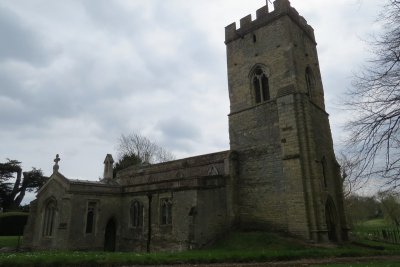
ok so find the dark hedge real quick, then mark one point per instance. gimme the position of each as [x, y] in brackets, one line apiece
[12, 224]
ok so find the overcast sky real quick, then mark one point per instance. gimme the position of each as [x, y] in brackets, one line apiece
[76, 74]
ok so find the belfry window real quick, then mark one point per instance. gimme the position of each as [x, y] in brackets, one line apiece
[90, 216]
[166, 211]
[136, 214]
[49, 217]
[310, 82]
[260, 85]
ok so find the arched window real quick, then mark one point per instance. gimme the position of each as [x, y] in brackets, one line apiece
[310, 82]
[136, 214]
[49, 217]
[260, 85]
[166, 211]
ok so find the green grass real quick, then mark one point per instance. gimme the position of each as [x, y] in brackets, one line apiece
[237, 247]
[374, 230]
[372, 225]
[376, 223]
[361, 264]
[8, 241]
[13, 213]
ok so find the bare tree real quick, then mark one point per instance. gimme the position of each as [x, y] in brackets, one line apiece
[375, 101]
[142, 148]
[350, 173]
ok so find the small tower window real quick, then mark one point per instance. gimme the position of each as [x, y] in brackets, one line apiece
[260, 85]
[254, 38]
[310, 82]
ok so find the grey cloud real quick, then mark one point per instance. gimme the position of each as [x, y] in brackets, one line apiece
[177, 128]
[18, 41]
[154, 65]
[114, 18]
[9, 84]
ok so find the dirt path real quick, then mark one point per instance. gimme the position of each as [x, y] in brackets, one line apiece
[303, 262]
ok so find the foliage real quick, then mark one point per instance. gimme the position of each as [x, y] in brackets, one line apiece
[12, 223]
[375, 104]
[359, 209]
[391, 207]
[136, 149]
[126, 161]
[12, 192]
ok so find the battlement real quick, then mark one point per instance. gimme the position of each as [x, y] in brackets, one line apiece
[264, 17]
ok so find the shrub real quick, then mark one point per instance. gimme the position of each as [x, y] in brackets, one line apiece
[12, 223]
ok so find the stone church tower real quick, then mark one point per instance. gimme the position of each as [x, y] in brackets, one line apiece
[288, 178]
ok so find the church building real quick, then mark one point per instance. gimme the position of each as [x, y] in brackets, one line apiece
[279, 175]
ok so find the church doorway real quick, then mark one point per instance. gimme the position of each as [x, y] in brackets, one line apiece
[331, 219]
[110, 235]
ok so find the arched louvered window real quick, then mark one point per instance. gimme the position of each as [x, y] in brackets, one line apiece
[260, 84]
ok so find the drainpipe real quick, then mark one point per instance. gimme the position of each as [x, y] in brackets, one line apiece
[149, 196]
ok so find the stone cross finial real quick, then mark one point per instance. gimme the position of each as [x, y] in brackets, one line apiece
[56, 167]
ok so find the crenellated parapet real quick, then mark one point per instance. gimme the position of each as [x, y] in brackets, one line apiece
[264, 17]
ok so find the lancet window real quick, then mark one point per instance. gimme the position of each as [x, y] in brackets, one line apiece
[49, 217]
[166, 211]
[136, 214]
[90, 217]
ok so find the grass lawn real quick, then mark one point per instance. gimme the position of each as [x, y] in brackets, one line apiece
[363, 264]
[376, 223]
[9, 241]
[372, 225]
[237, 247]
[377, 229]
[13, 213]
